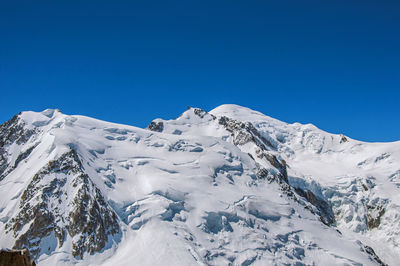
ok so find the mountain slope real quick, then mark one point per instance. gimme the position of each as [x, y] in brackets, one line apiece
[359, 180]
[231, 186]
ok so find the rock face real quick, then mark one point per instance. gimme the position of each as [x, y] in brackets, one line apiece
[244, 132]
[343, 139]
[324, 208]
[156, 126]
[15, 258]
[374, 214]
[13, 131]
[62, 200]
[371, 252]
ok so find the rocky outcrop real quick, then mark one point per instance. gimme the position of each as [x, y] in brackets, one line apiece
[13, 131]
[201, 113]
[60, 201]
[262, 172]
[156, 126]
[373, 255]
[343, 139]
[374, 214]
[324, 209]
[15, 258]
[244, 132]
[280, 165]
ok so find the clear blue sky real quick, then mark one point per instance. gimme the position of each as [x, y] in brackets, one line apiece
[335, 64]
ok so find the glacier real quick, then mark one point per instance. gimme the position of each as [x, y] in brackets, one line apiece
[231, 186]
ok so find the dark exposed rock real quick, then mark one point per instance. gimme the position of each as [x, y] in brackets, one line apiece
[382, 157]
[15, 258]
[92, 219]
[280, 165]
[343, 139]
[199, 112]
[12, 131]
[324, 209]
[262, 173]
[373, 255]
[244, 132]
[374, 214]
[3, 163]
[251, 156]
[86, 218]
[156, 126]
[23, 155]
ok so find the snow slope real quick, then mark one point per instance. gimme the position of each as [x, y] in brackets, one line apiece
[358, 179]
[228, 187]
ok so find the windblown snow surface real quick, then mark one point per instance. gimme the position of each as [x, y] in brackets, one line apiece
[226, 187]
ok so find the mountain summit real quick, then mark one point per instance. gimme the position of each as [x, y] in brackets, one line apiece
[226, 187]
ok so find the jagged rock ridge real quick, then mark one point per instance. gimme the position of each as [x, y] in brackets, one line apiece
[87, 218]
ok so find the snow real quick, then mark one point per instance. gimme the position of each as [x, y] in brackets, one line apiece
[188, 196]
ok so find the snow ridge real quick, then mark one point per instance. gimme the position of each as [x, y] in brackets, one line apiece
[230, 186]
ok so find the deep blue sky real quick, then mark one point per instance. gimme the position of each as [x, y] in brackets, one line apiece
[335, 64]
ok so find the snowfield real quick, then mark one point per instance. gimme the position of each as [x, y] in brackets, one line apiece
[226, 187]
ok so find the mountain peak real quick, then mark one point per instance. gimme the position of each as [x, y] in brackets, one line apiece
[229, 186]
[50, 113]
[243, 114]
[40, 118]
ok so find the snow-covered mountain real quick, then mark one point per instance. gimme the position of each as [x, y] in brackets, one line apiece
[226, 187]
